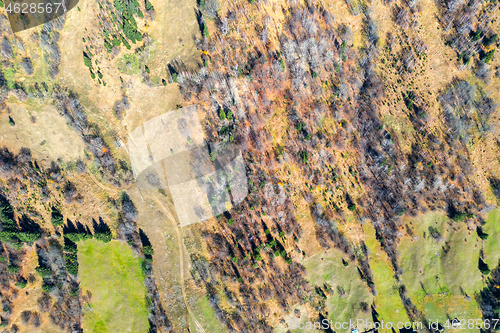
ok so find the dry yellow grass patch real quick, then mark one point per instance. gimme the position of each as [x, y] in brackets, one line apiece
[308, 241]
[278, 126]
[442, 59]
[27, 298]
[342, 15]
[49, 138]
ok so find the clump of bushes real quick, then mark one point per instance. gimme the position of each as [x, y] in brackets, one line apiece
[56, 219]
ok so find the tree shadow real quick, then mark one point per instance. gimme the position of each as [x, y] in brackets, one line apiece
[75, 227]
[28, 225]
[144, 238]
[101, 227]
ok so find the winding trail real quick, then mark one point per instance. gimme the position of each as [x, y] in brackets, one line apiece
[170, 217]
[101, 185]
[167, 212]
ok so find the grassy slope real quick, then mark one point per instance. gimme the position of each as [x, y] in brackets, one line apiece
[113, 275]
[436, 281]
[331, 270]
[389, 304]
[206, 316]
[490, 245]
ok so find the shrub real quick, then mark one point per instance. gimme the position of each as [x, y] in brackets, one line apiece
[75, 237]
[488, 56]
[145, 267]
[6, 237]
[434, 232]
[148, 250]
[108, 46]
[47, 287]
[222, 114]
[488, 41]
[234, 260]
[280, 150]
[6, 211]
[352, 207]
[43, 272]
[28, 237]
[13, 269]
[72, 268]
[230, 221]
[17, 245]
[87, 60]
[21, 283]
[476, 36]
[481, 234]
[103, 236]
[71, 257]
[483, 267]
[304, 156]
[458, 216]
[57, 219]
[74, 292]
[300, 126]
[125, 42]
[70, 246]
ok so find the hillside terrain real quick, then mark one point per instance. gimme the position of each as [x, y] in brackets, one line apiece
[370, 137]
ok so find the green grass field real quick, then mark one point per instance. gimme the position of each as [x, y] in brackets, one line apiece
[113, 276]
[206, 316]
[490, 245]
[129, 64]
[389, 304]
[439, 273]
[331, 270]
[426, 263]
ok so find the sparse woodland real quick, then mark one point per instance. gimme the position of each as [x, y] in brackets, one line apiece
[307, 71]
[306, 107]
[31, 196]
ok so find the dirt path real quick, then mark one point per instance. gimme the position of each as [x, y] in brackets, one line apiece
[171, 218]
[167, 212]
[101, 185]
